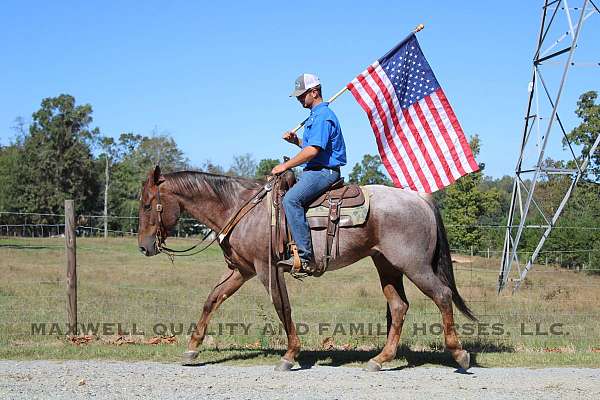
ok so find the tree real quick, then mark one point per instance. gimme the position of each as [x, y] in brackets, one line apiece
[465, 204]
[212, 168]
[10, 162]
[585, 134]
[109, 154]
[56, 161]
[368, 172]
[264, 167]
[243, 166]
[134, 155]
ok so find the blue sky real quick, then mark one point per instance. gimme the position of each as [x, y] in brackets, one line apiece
[217, 76]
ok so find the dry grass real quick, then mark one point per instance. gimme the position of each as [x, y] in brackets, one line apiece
[554, 317]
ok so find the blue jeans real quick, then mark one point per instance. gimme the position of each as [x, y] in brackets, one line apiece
[310, 185]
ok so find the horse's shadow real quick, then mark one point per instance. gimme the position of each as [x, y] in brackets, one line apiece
[335, 358]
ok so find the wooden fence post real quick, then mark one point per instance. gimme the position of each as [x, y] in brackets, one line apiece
[71, 265]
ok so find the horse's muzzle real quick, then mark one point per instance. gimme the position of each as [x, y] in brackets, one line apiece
[148, 252]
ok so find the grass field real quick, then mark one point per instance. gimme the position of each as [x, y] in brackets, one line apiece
[554, 320]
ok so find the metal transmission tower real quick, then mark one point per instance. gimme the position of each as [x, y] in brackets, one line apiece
[541, 119]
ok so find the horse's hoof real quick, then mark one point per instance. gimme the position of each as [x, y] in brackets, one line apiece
[284, 365]
[464, 359]
[373, 366]
[188, 357]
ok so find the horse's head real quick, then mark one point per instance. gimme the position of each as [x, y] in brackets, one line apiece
[158, 213]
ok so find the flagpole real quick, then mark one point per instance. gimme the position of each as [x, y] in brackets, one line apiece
[342, 91]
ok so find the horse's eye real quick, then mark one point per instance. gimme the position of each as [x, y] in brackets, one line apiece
[147, 207]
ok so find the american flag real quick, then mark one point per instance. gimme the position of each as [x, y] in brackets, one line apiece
[418, 135]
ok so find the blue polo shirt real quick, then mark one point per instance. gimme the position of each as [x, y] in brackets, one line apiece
[323, 131]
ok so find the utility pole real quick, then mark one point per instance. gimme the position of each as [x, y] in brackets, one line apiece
[541, 121]
[106, 184]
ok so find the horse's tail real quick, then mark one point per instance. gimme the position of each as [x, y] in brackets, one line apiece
[442, 264]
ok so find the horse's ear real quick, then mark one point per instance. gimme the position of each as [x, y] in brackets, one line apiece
[157, 176]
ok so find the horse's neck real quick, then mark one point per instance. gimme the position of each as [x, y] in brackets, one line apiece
[207, 208]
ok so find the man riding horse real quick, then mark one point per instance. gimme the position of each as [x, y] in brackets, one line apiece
[323, 153]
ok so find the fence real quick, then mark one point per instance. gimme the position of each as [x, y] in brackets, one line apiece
[121, 293]
[22, 224]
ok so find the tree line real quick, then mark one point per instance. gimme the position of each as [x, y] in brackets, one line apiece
[59, 155]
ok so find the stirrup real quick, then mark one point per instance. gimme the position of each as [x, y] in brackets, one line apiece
[307, 268]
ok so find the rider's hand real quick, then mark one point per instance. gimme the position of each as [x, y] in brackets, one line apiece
[290, 137]
[278, 169]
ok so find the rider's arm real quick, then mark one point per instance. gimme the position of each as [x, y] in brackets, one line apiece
[305, 155]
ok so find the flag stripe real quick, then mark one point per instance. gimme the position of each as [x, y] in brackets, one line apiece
[441, 165]
[460, 158]
[449, 151]
[459, 132]
[422, 151]
[443, 140]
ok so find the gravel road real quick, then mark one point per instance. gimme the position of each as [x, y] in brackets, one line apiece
[118, 380]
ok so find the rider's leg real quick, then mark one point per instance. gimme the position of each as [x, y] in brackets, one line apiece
[310, 185]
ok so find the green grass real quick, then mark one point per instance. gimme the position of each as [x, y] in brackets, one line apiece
[118, 285]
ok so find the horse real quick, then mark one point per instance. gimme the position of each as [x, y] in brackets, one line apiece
[403, 234]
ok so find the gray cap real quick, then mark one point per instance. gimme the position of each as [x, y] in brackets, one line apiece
[305, 82]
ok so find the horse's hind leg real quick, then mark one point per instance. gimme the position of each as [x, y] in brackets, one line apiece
[393, 290]
[428, 282]
[229, 283]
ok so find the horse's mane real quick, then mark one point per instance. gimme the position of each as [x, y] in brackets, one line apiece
[226, 187]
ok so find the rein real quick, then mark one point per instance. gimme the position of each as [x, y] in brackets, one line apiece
[161, 234]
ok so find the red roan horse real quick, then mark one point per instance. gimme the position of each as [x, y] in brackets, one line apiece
[404, 235]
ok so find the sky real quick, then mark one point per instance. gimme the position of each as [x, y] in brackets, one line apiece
[216, 75]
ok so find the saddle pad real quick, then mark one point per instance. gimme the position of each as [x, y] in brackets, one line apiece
[349, 216]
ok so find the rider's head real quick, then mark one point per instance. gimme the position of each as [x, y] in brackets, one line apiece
[308, 90]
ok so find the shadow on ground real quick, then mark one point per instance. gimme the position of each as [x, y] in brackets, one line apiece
[335, 358]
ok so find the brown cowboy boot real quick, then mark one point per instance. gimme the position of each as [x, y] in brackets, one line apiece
[306, 266]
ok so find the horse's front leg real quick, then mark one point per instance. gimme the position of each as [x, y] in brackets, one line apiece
[284, 311]
[229, 283]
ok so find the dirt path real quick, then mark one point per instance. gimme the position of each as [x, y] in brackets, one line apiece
[112, 380]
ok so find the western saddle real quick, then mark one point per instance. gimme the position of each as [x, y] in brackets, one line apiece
[337, 196]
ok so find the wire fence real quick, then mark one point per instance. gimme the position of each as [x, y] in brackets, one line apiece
[123, 294]
[20, 224]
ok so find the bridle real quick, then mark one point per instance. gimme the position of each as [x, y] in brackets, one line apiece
[161, 232]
